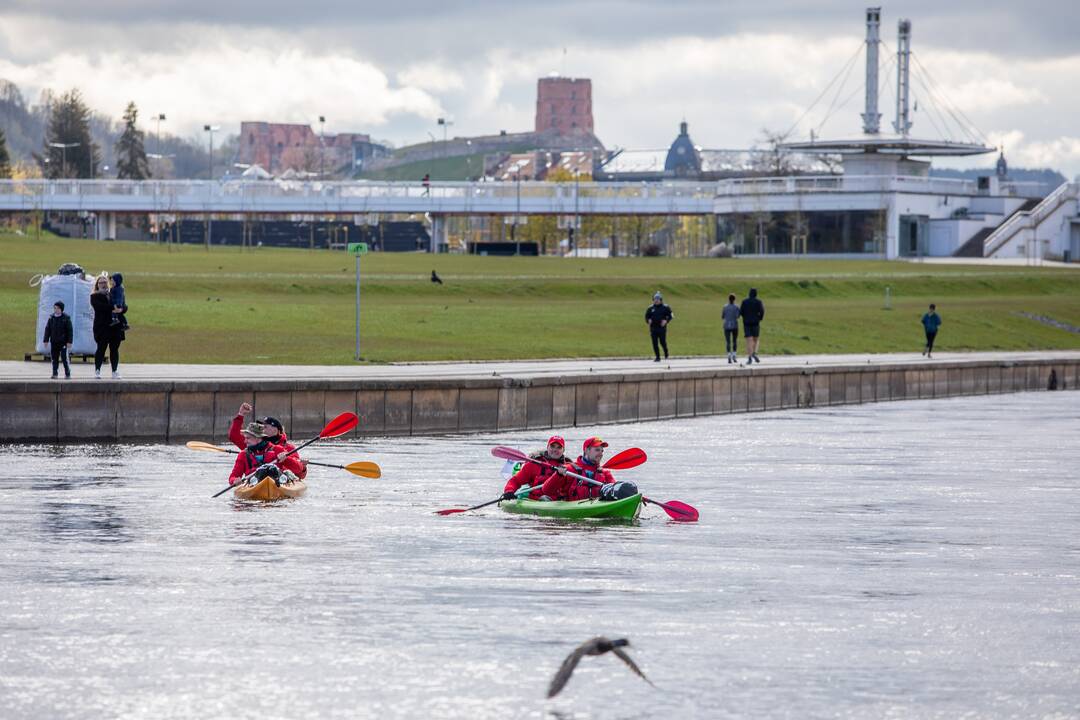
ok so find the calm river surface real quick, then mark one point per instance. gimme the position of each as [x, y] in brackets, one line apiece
[904, 560]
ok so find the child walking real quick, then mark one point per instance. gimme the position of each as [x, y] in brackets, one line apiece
[59, 334]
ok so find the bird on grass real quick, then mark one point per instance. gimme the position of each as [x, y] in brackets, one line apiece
[595, 646]
[435, 278]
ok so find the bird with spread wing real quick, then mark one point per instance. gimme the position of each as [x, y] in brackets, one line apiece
[595, 646]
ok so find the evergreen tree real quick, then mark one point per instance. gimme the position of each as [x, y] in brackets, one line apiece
[131, 161]
[5, 160]
[69, 125]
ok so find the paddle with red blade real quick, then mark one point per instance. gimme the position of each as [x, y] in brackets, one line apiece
[340, 425]
[675, 509]
[360, 468]
[620, 461]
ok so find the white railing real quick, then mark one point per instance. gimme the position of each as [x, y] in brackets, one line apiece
[1029, 218]
[291, 188]
[846, 184]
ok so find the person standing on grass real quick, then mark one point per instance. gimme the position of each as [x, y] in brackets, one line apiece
[753, 312]
[59, 334]
[657, 317]
[731, 329]
[931, 321]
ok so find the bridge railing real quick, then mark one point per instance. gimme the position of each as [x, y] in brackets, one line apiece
[273, 189]
[845, 183]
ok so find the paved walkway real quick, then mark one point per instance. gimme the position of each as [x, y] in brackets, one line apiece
[29, 371]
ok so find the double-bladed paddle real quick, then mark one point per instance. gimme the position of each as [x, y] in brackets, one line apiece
[624, 460]
[340, 425]
[675, 509]
[361, 468]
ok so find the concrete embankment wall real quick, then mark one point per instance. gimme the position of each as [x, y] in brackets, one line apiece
[201, 410]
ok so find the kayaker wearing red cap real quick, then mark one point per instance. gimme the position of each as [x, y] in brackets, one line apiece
[259, 451]
[274, 432]
[531, 474]
[559, 486]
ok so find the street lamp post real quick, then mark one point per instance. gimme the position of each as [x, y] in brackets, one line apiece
[210, 129]
[209, 217]
[157, 136]
[322, 144]
[445, 124]
[63, 156]
[517, 215]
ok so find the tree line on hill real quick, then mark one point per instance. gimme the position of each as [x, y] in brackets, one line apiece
[60, 136]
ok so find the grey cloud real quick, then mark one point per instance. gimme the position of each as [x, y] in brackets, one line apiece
[393, 32]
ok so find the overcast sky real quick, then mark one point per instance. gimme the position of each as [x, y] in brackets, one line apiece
[390, 69]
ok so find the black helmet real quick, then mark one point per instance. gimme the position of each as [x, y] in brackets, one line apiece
[272, 421]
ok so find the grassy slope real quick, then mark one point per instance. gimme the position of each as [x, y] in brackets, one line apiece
[296, 306]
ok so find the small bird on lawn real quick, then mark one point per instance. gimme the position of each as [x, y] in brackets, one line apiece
[435, 278]
[596, 646]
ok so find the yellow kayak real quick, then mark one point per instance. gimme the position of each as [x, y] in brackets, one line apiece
[266, 489]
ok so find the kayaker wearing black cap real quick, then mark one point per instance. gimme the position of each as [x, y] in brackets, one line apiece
[560, 486]
[531, 474]
[259, 455]
[272, 429]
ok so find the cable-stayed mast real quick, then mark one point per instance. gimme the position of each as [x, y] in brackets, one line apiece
[872, 118]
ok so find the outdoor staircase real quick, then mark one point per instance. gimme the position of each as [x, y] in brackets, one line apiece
[976, 244]
[1024, 220]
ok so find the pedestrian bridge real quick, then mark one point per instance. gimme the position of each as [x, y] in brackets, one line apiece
[356, 197]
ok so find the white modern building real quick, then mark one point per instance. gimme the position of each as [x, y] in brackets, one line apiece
[885, 203]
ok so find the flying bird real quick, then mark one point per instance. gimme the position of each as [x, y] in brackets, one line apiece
[435, 278]
[596, 646]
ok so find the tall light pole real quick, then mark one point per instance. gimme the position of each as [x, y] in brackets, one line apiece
[322, 143]
[209, 217]
[157, 136]
[210, 129]
[63, 155]
[445, 124]
[517, 215]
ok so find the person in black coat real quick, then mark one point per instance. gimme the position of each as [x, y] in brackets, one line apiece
[657, 317]
[752, 311]
[106, 335]
[59, 334]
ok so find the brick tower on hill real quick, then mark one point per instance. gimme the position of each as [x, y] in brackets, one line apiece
[564, 106]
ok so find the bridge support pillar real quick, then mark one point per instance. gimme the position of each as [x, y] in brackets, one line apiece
[438, 233]
[106, 226]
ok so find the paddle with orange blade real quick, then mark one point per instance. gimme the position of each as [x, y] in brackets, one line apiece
[620, 461]
[360, 468]
[340, 425]
[675, 509]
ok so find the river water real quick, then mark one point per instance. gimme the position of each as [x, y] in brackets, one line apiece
[904, 560]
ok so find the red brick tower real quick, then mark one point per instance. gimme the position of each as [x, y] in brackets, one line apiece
[564, 105]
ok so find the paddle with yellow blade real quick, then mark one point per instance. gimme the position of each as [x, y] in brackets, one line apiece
[362, 469]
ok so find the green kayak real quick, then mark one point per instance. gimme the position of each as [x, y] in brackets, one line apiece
[627, 508]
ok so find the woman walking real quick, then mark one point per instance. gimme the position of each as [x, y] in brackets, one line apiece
[106, 335]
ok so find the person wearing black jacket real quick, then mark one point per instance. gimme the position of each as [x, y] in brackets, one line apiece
[752, 311]
[59, 334]
[657, 318]
[106, 335]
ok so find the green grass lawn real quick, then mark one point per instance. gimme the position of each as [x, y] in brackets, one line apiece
[297, 306]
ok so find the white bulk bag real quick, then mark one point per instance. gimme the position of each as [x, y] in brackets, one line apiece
[74, 292]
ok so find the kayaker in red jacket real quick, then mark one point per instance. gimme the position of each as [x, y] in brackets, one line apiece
[274, 432]
[560, 486]
[259, 452]
[532, 474]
